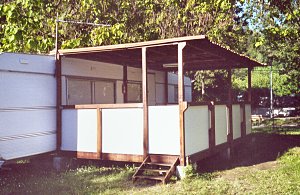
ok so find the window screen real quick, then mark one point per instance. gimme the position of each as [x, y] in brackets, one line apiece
[104, 92]
[134, 92]
[79, 92]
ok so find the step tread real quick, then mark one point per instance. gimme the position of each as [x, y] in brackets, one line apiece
[161, 178]
[154, 170]
[158, 164]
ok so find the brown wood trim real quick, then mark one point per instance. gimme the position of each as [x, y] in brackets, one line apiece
[88, 155]
[212, 130]
[99, 132]
[145, 103]
[103, 106]
[162, 158]
[182, 105]
[58, 104]
[122, 157]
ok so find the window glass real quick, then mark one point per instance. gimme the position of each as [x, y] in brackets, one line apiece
[104, 92]
[134, 92]
[79, 92]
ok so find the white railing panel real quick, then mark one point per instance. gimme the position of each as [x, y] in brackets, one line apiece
[122, 131]
[164, 133]
[196, 121]
[221, 124]
[236, 120]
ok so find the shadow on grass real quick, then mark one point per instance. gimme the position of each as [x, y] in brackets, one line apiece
[255, 149]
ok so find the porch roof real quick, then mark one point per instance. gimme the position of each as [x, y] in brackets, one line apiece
[199, 54]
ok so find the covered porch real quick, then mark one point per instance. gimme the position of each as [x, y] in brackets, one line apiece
[155, 124]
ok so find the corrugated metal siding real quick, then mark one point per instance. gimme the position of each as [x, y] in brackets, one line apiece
[27, 105]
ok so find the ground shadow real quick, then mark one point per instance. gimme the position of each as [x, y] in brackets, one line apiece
[255, 149]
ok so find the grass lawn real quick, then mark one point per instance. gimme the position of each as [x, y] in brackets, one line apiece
[276, 177]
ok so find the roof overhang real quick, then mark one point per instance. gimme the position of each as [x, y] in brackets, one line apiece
[199, 54]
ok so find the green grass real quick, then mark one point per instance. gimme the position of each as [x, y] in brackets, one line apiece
[283, 178]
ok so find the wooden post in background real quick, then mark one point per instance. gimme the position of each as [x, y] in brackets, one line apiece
[182, 106]
[145, 102]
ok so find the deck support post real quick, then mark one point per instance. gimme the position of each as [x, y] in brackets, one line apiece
[145, 103]
[182, 105]
[230, 118]
[249, 85]
[58, 103]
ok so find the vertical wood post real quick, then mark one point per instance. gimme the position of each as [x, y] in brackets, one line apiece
[99, 133]
[124, 86]
[182, 105]
[212, 129]
[249, 85]
[58, 103]
[229, 105]
[243, 124]
[145, 102]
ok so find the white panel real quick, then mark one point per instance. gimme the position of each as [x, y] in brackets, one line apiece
[87, 68]
[151, 89]
[69, 130]
[26, 90]
[87, 130]
[27, 63]
[236, 121]
[172, 78]
[164, 134]
[221, 118]
[248, 118]
[122, 131]
[160, 93]
[16, 122]
[119, 92]
[17, 148]
[134, 74]
[196, 121]
[79, 91]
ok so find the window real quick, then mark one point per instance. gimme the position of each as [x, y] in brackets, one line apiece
[85, 91]
[134, 92]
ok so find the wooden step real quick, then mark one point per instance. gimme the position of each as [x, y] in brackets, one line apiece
[158, 164]
[154, 170]
[149, 170]
[151, 177]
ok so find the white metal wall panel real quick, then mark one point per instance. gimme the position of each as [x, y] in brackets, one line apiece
[171, 94]
[236, 121]
[27, 146]
[164, 134]
[15, 122]
[27, 105]
[19, 90]
[196, 125]
[248, 118]
[122, 131]
[221, 124]
[27, 63]
[87, 68]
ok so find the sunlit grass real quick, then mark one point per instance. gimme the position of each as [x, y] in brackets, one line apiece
[284, 178]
